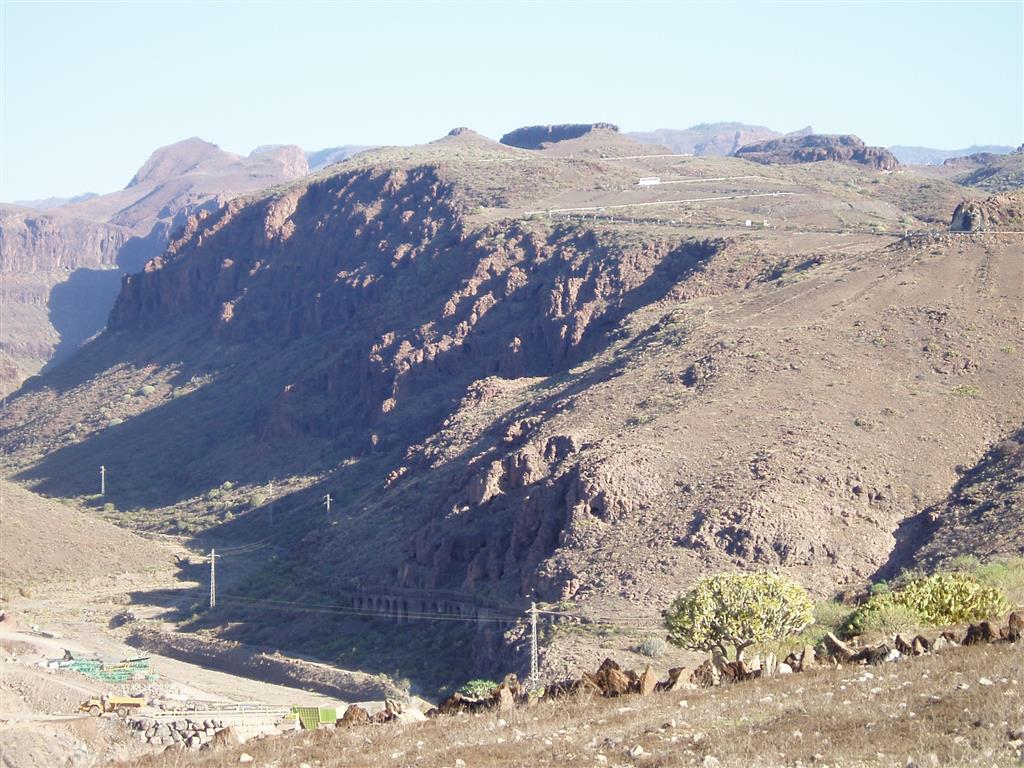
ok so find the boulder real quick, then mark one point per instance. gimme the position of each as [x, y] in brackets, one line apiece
[226, 737]
[978, 634]
[836, 648]
[611, 680]
[1014, 629]
[676, 680]
[648, 681]
[354, 715]
[504, 699]
[950, 637]
[705, 676]
[410, 715]
[807, 659]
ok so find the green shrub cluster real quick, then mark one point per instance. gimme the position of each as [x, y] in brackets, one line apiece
[477, 688]
[937, 600]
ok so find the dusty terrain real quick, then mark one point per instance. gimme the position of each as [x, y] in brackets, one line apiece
[959, 708]
[520, 375]
[78, 577]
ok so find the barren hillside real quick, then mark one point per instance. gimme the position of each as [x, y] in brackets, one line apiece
[45, 541]
[520, 374]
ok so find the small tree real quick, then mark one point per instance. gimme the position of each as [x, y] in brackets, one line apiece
[738, 610]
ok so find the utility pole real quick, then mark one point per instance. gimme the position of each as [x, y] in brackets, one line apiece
[271, 493]
[327, 502]
[532, 644]
[213, 579]
[103, 480]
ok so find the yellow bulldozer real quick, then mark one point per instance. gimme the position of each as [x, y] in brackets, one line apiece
[122, 705]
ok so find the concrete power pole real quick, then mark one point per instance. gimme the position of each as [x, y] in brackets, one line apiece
[534, 662]
[103, 480]
[213, 579]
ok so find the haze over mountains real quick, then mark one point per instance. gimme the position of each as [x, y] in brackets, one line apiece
[521, 374]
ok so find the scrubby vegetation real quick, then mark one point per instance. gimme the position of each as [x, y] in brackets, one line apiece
[937, 600]
[477, 688]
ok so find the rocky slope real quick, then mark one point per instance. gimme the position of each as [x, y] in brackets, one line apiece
[505, 405]
[62, 266]
[992, 172]
[814, 148]
[980, 518]
[536, 136]
[707, 138]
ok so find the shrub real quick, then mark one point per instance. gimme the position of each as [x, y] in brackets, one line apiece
[108, 507]
[477, 688]
[257, 500]
[738, 610]
[883, 618]
[213, 494]
[227, 485]
[145, 390]
[652, 647]
[937, 600]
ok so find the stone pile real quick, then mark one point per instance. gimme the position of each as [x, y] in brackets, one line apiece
[610, 680]
[394, 712]
[191, 734]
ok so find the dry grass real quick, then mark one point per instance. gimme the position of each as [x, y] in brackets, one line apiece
[932, 710]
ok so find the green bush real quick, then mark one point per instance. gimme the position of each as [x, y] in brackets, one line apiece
[213, 494]
[1005, 574]
[937, 600]
[145, 390]
[738, 610]
[884, 618]
[477, 688]
[257, 500]
[227, 485]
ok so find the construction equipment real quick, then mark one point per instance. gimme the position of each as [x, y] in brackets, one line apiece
[122, 705]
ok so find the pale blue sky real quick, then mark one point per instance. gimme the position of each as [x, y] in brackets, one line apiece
[90, 89]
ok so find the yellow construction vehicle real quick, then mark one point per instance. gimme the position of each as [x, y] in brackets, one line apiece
[122, 705]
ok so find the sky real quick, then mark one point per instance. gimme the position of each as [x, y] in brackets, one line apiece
[88, 90]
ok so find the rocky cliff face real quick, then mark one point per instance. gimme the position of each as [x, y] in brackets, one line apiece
[816, 148]
[535, 136]
[36, 242]
[61, 267]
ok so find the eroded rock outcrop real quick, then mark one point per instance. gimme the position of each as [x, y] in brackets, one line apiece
[999, 212]
[536, 136]
[814, 148]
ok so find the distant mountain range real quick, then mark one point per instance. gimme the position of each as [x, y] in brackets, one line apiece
[930, 156]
